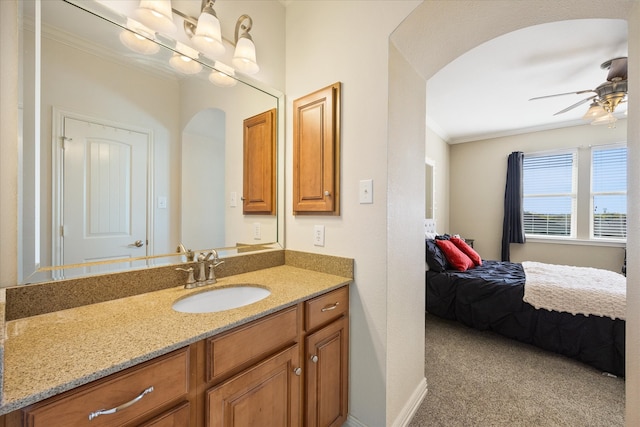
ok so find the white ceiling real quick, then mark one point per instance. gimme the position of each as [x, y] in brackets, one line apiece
[485, 92]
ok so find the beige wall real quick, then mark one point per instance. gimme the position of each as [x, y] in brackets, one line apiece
[632, 416]
[348, 41]
[477, 177]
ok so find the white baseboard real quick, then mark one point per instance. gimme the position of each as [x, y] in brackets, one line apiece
[353, 422]
[408, 411]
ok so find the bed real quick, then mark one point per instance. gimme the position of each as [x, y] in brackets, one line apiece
[495, 296]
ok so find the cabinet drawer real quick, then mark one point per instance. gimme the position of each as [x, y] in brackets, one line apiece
[250, 343]
[168, 375]
[325, 308]
[178, 416]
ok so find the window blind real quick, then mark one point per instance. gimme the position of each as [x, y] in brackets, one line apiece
[609, 192]
[549, 194]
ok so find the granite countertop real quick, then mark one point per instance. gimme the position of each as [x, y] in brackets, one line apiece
[51, 353]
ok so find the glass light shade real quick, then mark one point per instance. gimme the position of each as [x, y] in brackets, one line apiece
[244, 58]
[137, 38]
[595, 111]
[183, 60]
[222, 75]
[607, 119]
[208, 36]
[157, 15]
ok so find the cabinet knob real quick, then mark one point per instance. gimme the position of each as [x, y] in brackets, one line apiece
[298, 371]
[314, 358]
[327, 193]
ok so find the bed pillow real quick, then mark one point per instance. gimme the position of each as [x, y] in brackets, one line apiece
[455, 256]
[467, 250]
[436, 260]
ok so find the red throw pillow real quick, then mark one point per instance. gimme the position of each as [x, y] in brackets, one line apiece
[467, 250]
[455, 256]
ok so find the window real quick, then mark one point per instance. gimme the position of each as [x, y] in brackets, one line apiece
[549, 194]
[609, 192]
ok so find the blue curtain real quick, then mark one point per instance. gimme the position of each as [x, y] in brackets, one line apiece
[513, 224]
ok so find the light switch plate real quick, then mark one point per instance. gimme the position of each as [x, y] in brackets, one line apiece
[366, 191]
[257, 235]
[162, 202]
[233, 199]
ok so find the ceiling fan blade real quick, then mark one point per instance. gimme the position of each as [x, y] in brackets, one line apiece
[575, 105]
[580, 92]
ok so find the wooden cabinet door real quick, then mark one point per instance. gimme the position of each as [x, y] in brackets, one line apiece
[267, 395]
[259, 188]
[327, 362]
[316, 152]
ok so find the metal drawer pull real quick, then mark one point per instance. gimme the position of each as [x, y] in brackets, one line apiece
[330, 307]
[96, 414]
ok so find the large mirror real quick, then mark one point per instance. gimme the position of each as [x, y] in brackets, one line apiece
[120, 150]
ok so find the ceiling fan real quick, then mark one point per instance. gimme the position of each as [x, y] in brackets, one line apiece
[607, 96]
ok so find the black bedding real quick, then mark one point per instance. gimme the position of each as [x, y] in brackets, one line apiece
[490, 297]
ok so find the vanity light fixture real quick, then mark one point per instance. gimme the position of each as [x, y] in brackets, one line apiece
[183, 59]
[156, 14]
[139, 38]
[204, 32]
[222, 75]
[244, 58]
[207, 36]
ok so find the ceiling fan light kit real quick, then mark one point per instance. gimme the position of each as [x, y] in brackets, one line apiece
[607, 96]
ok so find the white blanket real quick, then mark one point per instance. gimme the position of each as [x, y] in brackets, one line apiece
[576, 290]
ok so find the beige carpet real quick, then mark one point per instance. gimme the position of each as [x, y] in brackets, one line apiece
[482, 379]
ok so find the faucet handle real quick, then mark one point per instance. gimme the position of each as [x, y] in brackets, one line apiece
[191, 281]
[211, 278]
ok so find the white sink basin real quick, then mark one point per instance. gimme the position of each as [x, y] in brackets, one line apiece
[220, 299]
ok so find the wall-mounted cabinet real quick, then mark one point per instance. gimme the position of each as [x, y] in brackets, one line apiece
[316, 152]
[259, 188]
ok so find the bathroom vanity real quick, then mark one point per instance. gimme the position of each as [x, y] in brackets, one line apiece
[281, 361]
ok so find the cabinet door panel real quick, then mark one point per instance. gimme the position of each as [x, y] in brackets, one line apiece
[316, 152]
[267, 395]
[259, 189]
[327, 359]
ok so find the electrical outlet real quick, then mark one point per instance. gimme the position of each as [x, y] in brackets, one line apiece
[318, 235]
[256, 231]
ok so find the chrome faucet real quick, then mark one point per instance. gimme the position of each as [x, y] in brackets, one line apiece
[211, 277]
[187, 252]
[202, 276]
